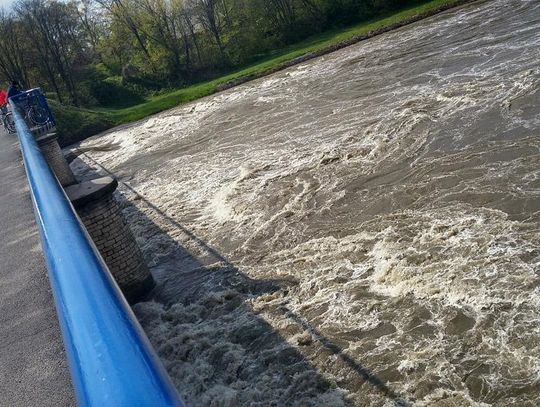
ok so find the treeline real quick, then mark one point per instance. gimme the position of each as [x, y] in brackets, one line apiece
[109, 52]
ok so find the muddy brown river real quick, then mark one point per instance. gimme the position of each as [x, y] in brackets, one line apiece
[361, 229]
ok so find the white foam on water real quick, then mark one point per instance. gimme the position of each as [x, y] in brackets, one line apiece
[385, 198]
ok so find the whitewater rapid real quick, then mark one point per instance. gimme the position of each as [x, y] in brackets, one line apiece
[361, 229]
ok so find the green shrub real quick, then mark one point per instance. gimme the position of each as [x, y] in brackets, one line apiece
[75, 124]
[111, 92]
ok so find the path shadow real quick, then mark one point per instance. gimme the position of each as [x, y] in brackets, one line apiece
[200, 318]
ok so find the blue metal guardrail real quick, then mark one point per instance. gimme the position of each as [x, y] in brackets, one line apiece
[111, 360]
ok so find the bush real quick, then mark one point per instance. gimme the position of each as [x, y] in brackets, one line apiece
[111, 92]
[74, 124]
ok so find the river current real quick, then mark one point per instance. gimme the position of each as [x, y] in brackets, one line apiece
[361, 229]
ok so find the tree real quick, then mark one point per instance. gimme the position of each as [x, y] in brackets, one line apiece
[208, 15]
[53, 28]
[13, 64]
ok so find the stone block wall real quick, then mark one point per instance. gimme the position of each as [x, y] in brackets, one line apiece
[53, 154]
[106, 225]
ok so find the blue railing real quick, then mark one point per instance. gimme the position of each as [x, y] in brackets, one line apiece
[111, 360]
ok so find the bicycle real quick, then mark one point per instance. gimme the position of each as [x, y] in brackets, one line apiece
[34, 109]
[30, 104]
[7, 120]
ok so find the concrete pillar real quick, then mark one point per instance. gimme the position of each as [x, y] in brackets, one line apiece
[105, 223]
[53, 154]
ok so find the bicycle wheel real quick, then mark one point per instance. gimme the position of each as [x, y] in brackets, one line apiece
[9, 123]
[37, 115]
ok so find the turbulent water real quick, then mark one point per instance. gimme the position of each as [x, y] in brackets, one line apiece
[361, 229]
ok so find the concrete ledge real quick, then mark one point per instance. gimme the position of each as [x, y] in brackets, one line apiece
[91, 191]
[45, 138]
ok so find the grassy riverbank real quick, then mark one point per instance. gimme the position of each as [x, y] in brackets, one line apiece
[76, 124]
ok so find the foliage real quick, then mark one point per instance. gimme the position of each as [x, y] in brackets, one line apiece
[119, 58]
[76, 124]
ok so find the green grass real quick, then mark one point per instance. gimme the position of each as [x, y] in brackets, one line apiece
[76, 124]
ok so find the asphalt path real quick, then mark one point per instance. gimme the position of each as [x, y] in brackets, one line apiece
[33, 366]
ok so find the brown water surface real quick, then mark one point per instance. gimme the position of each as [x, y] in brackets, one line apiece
[392, 192]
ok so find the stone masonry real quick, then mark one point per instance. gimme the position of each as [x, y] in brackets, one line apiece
[53, 154]
[105, 223]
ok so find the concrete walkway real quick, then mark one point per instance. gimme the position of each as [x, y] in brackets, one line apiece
[33, 367]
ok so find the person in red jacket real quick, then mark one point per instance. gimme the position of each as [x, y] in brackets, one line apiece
[3, 100]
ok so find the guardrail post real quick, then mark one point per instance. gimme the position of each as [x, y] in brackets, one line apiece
[53, 154]
[105, 223]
